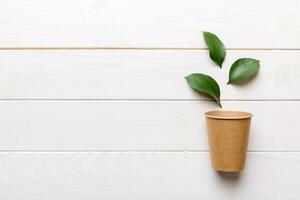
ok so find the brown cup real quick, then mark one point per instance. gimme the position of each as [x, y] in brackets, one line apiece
[228, 133]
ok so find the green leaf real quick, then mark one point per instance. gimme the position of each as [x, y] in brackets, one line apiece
[216, 48]
[205, 84]
[242, 70]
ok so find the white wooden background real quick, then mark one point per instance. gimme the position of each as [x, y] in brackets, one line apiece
[94, 104]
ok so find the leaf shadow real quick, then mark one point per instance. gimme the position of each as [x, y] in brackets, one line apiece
[231, 178]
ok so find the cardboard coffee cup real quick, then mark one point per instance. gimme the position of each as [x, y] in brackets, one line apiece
[228, 133]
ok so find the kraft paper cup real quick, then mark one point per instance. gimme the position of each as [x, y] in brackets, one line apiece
[228, 133]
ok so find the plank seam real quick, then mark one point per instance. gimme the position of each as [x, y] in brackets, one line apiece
[154, 100]
[135, 151]
[135, 48]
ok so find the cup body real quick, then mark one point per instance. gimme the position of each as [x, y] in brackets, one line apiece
[228, 133]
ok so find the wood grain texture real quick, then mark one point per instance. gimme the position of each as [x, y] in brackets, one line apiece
[113, 118]
[144, 23]
[140, 75]
[138, 125]
[144, 176]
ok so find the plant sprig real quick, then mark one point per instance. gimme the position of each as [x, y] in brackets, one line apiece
[241, 70]
[205, 84]
[217, 51]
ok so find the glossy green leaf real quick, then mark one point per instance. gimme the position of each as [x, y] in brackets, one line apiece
[242, 70]
[205, 84]
[216, 48]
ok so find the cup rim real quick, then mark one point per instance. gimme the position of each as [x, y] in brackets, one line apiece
[228, 114]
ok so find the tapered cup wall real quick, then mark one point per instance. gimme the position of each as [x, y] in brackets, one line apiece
[228, 133]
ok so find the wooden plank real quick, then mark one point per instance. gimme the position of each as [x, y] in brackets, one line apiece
[144, 23]
[168, 176]
[138, 125]
[140, 75]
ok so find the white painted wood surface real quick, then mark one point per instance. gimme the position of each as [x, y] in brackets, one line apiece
[140, 75]
[149, 23]
[94, 104]
[179, 176]
[138, 125]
